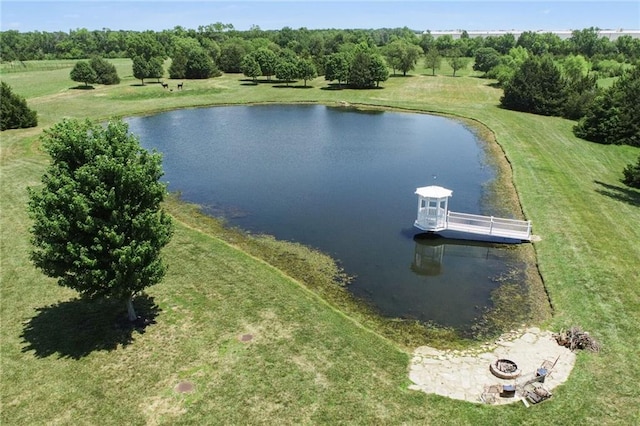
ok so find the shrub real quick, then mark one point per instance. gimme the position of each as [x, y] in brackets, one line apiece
[14, 112]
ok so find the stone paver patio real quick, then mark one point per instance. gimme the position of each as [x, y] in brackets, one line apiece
[465, 375]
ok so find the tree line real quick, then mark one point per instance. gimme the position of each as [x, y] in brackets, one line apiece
[539, 72]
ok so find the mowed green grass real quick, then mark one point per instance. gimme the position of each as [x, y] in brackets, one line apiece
[308, 363]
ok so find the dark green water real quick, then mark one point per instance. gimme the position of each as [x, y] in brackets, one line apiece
[342, 181]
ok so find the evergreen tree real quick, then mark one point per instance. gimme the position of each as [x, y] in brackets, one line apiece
[536, 87]
[97, 223]
[83, 73]
[632, 174]
[140, 68]
[612, 118]
[14, 112]
[105, 71]
[155, 68]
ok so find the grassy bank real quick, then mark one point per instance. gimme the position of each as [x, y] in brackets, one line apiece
[307, 362]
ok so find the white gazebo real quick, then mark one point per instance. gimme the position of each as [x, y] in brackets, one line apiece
[433, 205]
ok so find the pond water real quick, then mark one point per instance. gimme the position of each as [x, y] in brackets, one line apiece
[342, 181]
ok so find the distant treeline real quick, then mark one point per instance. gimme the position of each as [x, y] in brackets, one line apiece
[82, 43]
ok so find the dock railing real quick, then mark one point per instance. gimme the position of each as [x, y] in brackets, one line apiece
[489, 225]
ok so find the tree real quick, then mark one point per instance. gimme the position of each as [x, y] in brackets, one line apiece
[97, 223]
[402, 55]
[612, 118]
[267, 59]
[306, 70]
[83, 73]
[379, 70]
[457, 62]
[200, 65]
[432, 60]
[286, 71]
[536, 87]
[144, 44]
[250, 67]
[155, 68]
[632, 174]
[485, 59]
[14, 112]
[360, 69]
[105, 71]
[232, 52]
[509, 64]
[336, 68]
[140, 68]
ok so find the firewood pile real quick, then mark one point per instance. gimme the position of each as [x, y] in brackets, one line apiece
[577, 339]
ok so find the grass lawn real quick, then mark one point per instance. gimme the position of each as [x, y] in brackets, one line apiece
[307, 361]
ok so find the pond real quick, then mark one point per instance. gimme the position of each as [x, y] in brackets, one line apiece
[343, 181]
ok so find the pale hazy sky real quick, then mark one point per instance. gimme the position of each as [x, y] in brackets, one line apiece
[26, 15]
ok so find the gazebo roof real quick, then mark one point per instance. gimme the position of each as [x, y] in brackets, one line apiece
[434, 192]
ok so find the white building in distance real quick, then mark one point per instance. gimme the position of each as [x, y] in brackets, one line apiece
[563, 34]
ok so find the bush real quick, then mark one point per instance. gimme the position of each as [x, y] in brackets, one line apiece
[632, 174]
[14, 112]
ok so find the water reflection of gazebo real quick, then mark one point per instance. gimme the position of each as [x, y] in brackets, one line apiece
[430, 252]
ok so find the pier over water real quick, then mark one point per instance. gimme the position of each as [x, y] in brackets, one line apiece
[434, 216]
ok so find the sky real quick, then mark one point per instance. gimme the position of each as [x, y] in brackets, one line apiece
[139, 15]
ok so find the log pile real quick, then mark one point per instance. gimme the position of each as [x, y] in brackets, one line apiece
[577, 339]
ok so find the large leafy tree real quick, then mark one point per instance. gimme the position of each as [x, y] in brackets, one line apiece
[337, 67]
[232, 53]
[402, 55]
[250, 67]
[14, 112]
[145, 44]
[83, 73]
[379, 70]
[536, 87]
[97, 223]
[286, 71]
[306, 70]
[485, 59]
[267, 59]
[199, 65]
[612, 118]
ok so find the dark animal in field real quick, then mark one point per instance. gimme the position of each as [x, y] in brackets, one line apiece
[179, 86]
[165, 85]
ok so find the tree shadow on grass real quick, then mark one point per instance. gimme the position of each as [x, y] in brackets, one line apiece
[627, 195]
[82, 87]
[78, 327]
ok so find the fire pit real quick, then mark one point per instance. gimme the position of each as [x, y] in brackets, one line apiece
[504, 369]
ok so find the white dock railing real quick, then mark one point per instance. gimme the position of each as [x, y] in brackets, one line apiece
[489, 225]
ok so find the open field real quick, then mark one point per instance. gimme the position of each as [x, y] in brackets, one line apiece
[64, 361]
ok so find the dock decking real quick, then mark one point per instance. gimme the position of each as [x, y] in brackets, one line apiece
[489, 225]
